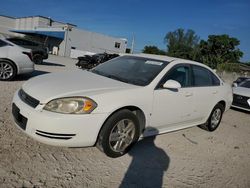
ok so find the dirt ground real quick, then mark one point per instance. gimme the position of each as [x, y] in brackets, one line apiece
[186, 158]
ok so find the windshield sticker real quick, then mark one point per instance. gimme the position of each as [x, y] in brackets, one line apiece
[154, 63]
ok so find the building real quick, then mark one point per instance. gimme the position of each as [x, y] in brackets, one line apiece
[62, 39]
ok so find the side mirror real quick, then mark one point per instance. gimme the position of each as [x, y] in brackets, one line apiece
[172, 84]
[235, 84]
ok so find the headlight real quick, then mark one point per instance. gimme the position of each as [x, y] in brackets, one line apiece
[71, 105]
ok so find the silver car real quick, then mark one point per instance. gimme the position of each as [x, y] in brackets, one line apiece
[241, 95]
[14, 60]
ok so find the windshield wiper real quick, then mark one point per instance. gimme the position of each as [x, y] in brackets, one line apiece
[109, 76]
[98, 72]
[118, 78]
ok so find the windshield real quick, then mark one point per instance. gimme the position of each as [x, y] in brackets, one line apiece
[245, 84]
[133, 70]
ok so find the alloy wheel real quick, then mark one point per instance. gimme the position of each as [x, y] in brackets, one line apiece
[6, 70]
[122, 135]
[216, 116]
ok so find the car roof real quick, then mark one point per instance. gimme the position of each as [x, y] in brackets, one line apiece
[165, 58]
[152, 56]
[170, 59]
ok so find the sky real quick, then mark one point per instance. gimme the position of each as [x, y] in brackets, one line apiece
[147, 20]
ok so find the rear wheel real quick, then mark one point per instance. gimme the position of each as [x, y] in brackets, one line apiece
[7, 70]
[119, 133]
[38, 59]
[214, 119]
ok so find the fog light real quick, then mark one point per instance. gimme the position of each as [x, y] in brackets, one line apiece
[248, 101]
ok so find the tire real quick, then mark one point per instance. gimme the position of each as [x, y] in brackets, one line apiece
[38, 59]
[214, 119]
[8, 70]
[122, 140]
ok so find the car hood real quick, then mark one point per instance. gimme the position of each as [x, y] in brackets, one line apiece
[75, 83]
[242, 91]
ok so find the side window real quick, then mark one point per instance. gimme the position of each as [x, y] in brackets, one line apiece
[179, 74]
[2, 43]
[29, 43]
[216, 81]
[16, 41]
[201, 76]
[25, 42]
[117, 45]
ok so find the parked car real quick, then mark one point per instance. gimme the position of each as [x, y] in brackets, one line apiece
[14, 60]
[241, 95]
[239, 80]
[117, 102]
[91, 61]
[39, 51]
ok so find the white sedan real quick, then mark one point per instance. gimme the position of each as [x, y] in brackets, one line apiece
[241, 95]
[116, 103]
[14, 60]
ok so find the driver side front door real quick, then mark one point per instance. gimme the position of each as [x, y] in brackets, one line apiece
[173, 108]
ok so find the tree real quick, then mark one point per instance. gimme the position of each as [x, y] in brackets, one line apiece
[219, 49]
[153, 50]
[182, 44]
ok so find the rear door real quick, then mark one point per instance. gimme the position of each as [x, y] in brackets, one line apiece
[206, 90]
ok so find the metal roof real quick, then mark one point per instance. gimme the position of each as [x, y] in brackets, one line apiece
[55, 34]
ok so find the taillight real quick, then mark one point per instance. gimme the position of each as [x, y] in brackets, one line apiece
[29, 54]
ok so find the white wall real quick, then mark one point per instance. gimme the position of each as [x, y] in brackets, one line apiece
[80, 40]
[79, 53]
[43, 22]
[30, 23]
[6, 24]
[93, 42]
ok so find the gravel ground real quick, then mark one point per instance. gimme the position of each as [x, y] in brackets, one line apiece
[186, 158]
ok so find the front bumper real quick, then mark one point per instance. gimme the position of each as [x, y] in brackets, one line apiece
[241, 102]
[57, 129]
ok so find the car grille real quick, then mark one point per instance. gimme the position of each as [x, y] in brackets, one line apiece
[28, 99]
[20, 120]
[240, 101]
[55, 135]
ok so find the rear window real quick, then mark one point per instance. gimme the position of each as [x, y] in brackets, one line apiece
[2, 43]
[22, 42]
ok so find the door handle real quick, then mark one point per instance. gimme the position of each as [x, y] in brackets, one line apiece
[188, 94]
[215, 92]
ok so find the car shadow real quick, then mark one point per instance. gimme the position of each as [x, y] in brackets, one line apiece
[149, 163]
[240, 110]
[51, 64]
[24, 77]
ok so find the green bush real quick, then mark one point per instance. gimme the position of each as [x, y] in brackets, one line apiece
[229, 67]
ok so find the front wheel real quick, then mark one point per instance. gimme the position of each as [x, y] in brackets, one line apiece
[214, 119]
[119, 133]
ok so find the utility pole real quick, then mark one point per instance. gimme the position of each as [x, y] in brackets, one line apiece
[132, 45]
[66, 39]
